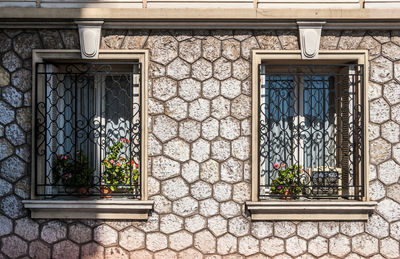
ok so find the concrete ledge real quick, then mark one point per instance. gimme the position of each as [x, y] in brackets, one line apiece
[199, 13]
[310, 210]
[199, 18]
[89, 209]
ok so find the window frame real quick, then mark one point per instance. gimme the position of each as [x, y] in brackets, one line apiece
[96, 209]
[316, 209]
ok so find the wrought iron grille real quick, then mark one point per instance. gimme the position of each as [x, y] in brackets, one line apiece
[88, 129]
[311, 138]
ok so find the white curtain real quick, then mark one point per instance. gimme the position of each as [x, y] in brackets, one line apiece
[300, 121]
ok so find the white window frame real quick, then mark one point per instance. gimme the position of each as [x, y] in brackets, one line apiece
[94, 209]
[296, 209]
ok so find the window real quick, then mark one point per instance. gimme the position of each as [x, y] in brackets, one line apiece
[88, 129]
[89, 137]
[310, 130]
[309, 137]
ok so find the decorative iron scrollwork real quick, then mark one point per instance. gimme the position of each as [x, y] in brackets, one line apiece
[310, 126]
[83, 110]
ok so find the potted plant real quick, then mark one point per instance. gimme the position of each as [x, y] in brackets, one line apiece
[119, 171]
[288, 184]
[73, 172]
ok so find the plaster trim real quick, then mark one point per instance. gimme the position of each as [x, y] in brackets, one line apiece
[310, 210]
[89, 209]
[215, 14]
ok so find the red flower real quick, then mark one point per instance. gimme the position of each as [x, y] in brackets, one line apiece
[133, 163]
[118, 164]
[125, 140]
[276, 165]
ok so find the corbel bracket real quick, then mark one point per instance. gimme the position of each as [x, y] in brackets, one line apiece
[310, 35]
[89, 38]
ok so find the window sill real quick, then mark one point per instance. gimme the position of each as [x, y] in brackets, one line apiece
[310, 210]
[89, 209]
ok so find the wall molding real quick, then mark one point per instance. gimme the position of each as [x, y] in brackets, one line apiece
[218, 14]
[205, 24]
[199, 18]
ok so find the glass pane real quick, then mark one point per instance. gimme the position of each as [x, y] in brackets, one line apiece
[318, 130]
[118, 110]
[279, 112]
[121, 116]
[70, 109]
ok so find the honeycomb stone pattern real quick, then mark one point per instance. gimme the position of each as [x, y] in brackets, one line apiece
[199, 151]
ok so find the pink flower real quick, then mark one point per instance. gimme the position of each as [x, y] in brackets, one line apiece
[67, 176]
[64, 157]
[112, 161]
[276, 165]
[283, 165]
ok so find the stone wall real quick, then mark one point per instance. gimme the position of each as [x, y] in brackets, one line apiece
[199, 148]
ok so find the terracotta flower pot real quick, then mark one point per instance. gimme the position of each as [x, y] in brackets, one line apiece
[286, 197]
[84, 192]
[105, 192]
